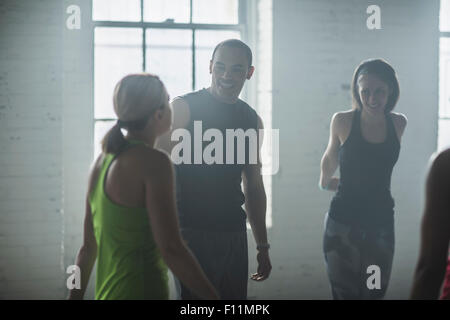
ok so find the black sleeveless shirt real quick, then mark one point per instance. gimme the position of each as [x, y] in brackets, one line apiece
[364, 196]
[209, 196]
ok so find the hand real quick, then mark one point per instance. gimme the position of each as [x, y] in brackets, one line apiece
[264, 266]
[333, 184]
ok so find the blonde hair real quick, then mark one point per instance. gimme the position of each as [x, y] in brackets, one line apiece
[136, 98]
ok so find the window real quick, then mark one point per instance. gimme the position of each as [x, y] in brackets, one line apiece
[444, 76]
[173, 39]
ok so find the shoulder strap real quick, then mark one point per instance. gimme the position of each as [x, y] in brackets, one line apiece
[97, 188]
[356, 124]
[391, 127]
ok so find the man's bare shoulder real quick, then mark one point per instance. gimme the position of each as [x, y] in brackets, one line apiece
[179, 102]
[181, 112]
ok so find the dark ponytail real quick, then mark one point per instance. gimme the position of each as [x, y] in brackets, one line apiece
[114, 141]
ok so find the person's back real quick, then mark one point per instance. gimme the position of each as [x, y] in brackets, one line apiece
[131, 224]
[129, 265]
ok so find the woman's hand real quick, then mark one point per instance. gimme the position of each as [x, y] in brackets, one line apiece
[333, 184]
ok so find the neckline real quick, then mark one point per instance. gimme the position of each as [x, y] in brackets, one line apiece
[219, 101]
[134, 141]
[361, 133]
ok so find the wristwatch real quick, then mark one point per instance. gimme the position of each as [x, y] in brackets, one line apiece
[263, 246]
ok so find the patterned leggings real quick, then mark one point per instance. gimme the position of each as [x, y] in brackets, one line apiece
[446, 287]
[358, 261]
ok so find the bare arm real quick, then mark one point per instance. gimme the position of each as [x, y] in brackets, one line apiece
[88, 252]
[86, 256]
[435, 232]
[329, 162]
[255, 206]
[181, 117]
[160, 203]
[400, 122]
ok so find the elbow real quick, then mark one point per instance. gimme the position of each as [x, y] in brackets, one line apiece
[324, 164]
[255, 191]
[327, 168]
[323, 181]
[171, 250]
[89, 249]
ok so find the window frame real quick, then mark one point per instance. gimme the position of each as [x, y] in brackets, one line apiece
[441, 117]
[241, 26]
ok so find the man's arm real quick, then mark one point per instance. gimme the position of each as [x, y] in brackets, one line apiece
[181, 117]
[435, 233]
[255, 206]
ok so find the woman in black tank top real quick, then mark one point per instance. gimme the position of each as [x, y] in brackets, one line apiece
[365, 144]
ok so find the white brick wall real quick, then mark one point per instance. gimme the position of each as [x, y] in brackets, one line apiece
[30, 150]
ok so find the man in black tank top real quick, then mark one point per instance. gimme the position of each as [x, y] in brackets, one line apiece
[209, 194]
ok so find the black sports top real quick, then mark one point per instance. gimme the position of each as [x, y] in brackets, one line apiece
[364, 196]
[209, 196]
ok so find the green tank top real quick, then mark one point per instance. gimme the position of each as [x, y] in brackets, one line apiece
[129, 264]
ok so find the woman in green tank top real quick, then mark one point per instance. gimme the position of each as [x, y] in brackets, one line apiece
[131, 224]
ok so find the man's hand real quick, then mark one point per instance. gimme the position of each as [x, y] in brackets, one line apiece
[264, 266]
